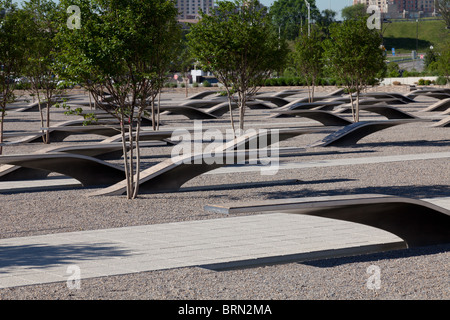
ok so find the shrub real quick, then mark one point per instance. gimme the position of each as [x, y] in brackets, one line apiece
[442, 81]
[396, 83]
[195, 84]
[206, 83]
[421, 82]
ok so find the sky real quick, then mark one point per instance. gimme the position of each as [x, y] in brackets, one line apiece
[335, 5]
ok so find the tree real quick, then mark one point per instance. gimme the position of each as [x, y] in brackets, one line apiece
[354, 12]
[308, 58]
[124, 47]
[40, 55]
[13, 42]
[238, 44]
[443, 59]
[353, 54]
[325, 20]
[290, 15]
[443, 8]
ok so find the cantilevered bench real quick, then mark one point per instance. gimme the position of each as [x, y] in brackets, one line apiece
[202, 95]
[390, 95]
[351, 134]
[430, 94]
[441, 105]
[324, 117]
[417, 222]
[64, 129]
[443, 123]
[88, 170]
[171, 174]
[381, 109]
[296, 105]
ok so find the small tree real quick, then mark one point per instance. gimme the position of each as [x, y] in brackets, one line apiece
[289, 15]
[308, 58]
[354, 12]
[125, 48]
[443, 59]
[353, 54]
[40, 56]
[443, 8]
[13, 42]
[238, 44]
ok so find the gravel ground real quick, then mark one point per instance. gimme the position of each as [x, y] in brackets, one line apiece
[405, 274]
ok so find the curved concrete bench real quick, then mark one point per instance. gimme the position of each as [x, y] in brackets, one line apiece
[189, 112]
[67, 128]
[354, 132]
[32, 107]
[201, 95]
[435, 95]
[279, 102]
[88, 170]
[381, 109]
[171, 174]
[324, 117]
[417, 222]
[445, 123]
[441, 105]
[110, 148]
[298, 105]
[390, 95]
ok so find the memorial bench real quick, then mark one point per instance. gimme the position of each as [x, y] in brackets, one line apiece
[417, 222]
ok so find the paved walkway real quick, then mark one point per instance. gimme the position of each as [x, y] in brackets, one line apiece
[216, 243]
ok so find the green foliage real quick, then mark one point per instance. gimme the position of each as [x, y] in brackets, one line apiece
[354, 12]
[442, 81]
[353, 54]
[124, 47]
[290, 15]
[443, 8]
[308, 57]
[238, 44]
[443, 60]
[206, 83]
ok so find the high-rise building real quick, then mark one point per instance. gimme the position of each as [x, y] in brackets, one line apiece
[189, 9]
[426, 6]
[400, 6]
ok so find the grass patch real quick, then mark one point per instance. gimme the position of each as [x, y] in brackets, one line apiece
[402, 35]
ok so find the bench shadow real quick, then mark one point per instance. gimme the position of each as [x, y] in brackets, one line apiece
[416, 143]
[41, 256]
[413, 191]
[379, 256]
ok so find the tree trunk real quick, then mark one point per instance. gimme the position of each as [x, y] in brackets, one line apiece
[47, 133]
[138, 157]
[241, 103]
[131, 160]
[159, 113]
[125, 155]
[357, 105]
[352, 106]
[153, 113]
[1, 129]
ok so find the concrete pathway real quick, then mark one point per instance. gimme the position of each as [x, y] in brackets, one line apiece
[217, 243]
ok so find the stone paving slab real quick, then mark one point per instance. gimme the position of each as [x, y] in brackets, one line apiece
[215, 243]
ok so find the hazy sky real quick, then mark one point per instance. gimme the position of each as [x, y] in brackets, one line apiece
[335, 5]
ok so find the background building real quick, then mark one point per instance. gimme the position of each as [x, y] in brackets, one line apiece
[404, 8]
[189, 9]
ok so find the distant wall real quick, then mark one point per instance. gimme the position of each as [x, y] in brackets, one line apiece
[407, 80]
